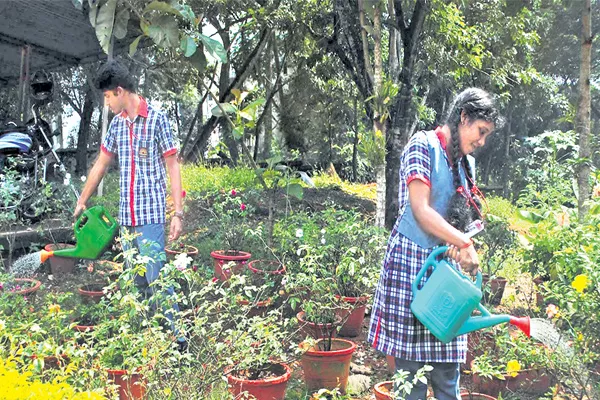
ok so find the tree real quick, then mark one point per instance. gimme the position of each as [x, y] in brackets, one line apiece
[583, 112]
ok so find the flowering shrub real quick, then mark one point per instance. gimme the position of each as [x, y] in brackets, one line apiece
[232, 213]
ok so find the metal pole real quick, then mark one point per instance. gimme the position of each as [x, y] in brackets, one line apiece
[23, 79]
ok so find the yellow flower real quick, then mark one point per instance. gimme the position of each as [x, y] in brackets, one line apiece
[144, 352]
[167, 391]
[54, 308]
[580, 283]
[513, 367]
[580, 337]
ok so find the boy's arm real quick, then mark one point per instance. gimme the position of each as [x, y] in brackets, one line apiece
[93, 180]
[175, 178]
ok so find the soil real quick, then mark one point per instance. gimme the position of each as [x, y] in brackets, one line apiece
[270, 371]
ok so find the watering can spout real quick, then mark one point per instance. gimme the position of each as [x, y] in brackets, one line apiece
[523, 323]
[44, 255]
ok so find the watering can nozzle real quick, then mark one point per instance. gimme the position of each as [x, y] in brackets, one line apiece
[523, 323]
[44, 255]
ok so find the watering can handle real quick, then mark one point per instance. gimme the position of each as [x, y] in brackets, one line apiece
[431, 262]
[79, 223]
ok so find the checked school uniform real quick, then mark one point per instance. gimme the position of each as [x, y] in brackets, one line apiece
[141, 145]
[394, 330]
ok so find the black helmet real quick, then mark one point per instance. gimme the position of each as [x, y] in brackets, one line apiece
[41, 87]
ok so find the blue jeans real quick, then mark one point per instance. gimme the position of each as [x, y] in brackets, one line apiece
[443, 378]
[150, 242]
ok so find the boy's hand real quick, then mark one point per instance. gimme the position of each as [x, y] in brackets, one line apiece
[175, 229]
[78, 210]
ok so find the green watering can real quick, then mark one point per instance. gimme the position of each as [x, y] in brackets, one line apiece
[94, 231]
[446, 301]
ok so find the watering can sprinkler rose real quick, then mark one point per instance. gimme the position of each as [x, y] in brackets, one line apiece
[446, 301]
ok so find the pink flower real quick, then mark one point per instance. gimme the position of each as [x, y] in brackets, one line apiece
[183, 193]
[551, 311]
[233, 192]
[242, 207]
[195, 268]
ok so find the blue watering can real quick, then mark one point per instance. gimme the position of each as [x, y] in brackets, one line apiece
[446, 301]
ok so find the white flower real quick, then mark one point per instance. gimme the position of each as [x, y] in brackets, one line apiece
[361, 260]
[83, 178]
[322, 240]
[67, 176]
[299, 252]
[35, 328]
[323, 231]
[299, 233]
[182, 260]
[66, 182]
[2, 325]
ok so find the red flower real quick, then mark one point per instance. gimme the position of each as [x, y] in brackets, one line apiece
[195, 268]
[242, 206]
[183, 193]
[233, 192]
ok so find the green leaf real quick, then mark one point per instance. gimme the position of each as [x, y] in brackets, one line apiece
[164, 31]
[214, 47]
[294, 189]
[134, 45]
[198, 60]
[595, 209]
[229, 109]
[238, 132]
[188, 46]
[161, 6]
[121, 20]
[187, 13]
[251, 108]
[93, 13]
[246, 116]
[104, 23]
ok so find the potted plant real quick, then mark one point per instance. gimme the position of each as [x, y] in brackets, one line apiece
[498, 243]
[20, 286]
[400, 386]
[180, 246]
[92, 292]
[257, 348]
[231, 212]
[263, 286]
[514, 364]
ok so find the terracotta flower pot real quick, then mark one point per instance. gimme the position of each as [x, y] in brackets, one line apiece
[478, 342]
[495, 291]
[131, 386]
[262, 389]
[318, 331]
[24, 286]
[259, 308]
[273, 267]
[60, 265]
[353, 318]
[475, 396]
[327, 369]
[222, 258]
[191, 251]
[382, 390]
[92, 292]
[533, 381]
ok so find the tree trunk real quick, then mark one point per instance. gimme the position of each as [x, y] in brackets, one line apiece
[355, 142]
[84, 132]
[505, 170]
[583, 113]
[380, 179]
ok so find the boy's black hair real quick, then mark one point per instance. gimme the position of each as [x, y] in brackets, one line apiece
[112, 75]
[476, 104]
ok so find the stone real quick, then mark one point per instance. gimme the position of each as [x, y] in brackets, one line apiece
[358, 384]
[361, 369]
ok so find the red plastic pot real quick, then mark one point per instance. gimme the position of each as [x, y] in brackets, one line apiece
[222, 257]
[261, 389]
[353, 318]
[475, 396]
[327, 369]
[60, 265]
[131, 386]
[496, 289]
[318, 331]
[32, 286]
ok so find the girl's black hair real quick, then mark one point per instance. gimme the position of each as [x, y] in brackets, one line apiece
[112, 75]
[476, 104]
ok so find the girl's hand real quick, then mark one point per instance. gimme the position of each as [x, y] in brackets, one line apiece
[466, 257]
[469, 260]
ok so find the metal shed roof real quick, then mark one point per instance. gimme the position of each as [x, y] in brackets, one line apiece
[59, 34]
